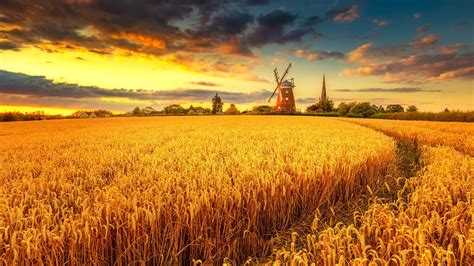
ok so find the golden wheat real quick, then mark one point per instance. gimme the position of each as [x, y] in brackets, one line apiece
[430, 221]
[452, 134]
[174, 189]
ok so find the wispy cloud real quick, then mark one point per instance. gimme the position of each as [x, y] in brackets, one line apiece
[345, 14]
[380, 22]
[311, 100]
[306, 100]
[400, 90]
[317, 55]
[205, 83]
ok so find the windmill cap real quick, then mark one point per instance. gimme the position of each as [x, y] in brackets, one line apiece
[286, 83]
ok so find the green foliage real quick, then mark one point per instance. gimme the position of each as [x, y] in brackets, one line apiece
[137, 111]
[102, 113]
[394, 108]
[232, 110]
[363, 109]
[17, 116]
[320, 107]
[329, 114]
[263, 109]
[355, 115]
[344, 108]
[174, 109]
[412, 108]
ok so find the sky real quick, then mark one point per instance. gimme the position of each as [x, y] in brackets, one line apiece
[65, 55]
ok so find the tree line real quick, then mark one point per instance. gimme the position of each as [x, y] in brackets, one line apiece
[176, 109]
[358, 109]
[345, 109]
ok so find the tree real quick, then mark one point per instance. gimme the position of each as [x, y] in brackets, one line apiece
[394, 108]
[11, 116]
[103, 113]
[412, 108]
[174, 109]
[149, 110]
[446, 110]
[232, 110]
[344, 108]
[380, 109]
[263, 109]
[321, 107]
[363, 109]
[77, 113]
[137, 111]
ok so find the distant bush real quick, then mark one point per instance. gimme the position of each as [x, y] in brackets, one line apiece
[331, 114]
[17, 116]
[232, 110]
[355, 115]
[455, 116]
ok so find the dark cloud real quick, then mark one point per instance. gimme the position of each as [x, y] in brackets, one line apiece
[312, 21]
[157, 27]
[256, 2]
[223, 31]
[193, 33]
[205, 83]
[274, 27]
[399, 90]
[344, 14]
[227, 23]
[6, 45]
[40, 87]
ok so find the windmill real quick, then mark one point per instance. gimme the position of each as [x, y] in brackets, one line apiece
[285, 99]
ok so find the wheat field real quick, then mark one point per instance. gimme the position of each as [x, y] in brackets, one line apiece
[457, 135]
[233, 190]
[173, 189]
[427, 219]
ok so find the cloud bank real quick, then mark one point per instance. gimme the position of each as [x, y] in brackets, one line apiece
[38, 89]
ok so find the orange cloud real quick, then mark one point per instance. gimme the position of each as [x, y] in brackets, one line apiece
[146, 41]
[425, 41]
[360, 54]
[411, 66]
[468, 71]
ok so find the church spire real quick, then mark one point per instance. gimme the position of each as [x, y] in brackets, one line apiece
[323, 91]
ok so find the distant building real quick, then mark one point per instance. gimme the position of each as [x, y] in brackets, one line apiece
[324, 98]
[201, 110]
[217, 105]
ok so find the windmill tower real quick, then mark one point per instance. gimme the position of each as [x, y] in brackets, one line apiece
[285, 100]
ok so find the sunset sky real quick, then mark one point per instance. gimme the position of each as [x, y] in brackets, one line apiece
[65, 55]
